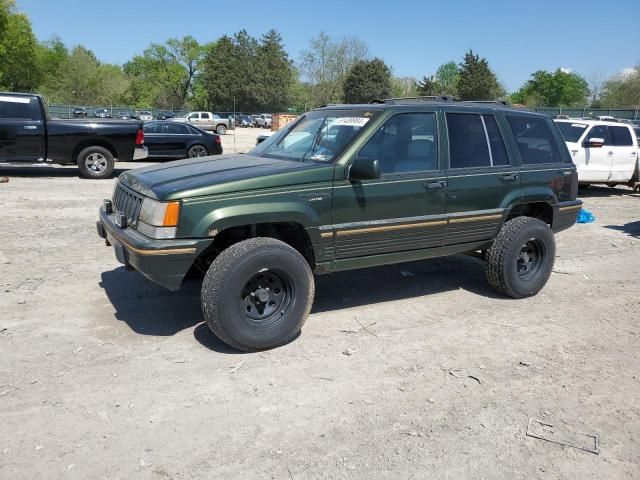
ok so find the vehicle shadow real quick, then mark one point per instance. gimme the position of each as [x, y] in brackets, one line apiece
[604, 191]
[632, 228]
[401, 281]
[149, 309]
[49, 172]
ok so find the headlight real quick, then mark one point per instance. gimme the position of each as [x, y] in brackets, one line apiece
[158, 219]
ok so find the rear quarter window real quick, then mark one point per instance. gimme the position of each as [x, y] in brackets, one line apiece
[535, 139]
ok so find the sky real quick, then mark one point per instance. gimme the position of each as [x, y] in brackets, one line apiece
[414, 37]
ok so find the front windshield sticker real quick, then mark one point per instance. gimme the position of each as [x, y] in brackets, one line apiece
[318, 157]
[352, 121]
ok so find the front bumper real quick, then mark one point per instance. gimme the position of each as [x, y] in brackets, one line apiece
[140, 153]
[165, 262]
[565, 214]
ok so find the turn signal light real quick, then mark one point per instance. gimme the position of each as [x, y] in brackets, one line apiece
[171, 214]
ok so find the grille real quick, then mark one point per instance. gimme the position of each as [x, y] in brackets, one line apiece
[128, 202]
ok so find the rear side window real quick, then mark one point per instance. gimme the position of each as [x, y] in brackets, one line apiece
[204, 116]
[15, 107]
[153, 128]
[536, 142]
[620, 136]
[468, 146]
[498, 150]
[176, 128]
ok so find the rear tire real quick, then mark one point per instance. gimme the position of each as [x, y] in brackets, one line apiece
[197, 151]
[96, 163]
[521, 258]
[221, 129]
[257, 294]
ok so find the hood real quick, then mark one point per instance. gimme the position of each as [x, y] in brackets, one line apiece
[222, 174]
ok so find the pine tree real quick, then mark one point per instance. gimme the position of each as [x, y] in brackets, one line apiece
[366, 81]
[477, 81]
[428, 87]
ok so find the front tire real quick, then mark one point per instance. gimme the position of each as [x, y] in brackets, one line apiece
[96, 163]
[521, 258]
[257, 294]
[221, 129]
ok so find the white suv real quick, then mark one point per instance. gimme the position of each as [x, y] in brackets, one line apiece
[604, 151]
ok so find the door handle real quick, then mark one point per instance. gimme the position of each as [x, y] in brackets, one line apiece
[609, 153]
[433, 185]
[30, 127]
[509, 177]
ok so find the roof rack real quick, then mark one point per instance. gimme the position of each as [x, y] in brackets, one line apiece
[425, 98]
[494, 102]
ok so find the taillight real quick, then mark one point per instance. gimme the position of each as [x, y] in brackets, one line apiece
[140, 137]
[218, 140]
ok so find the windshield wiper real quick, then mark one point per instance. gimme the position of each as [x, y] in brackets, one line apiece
[316, 137]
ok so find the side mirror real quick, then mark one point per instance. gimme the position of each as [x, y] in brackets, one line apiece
[595, 143]
[364, 169]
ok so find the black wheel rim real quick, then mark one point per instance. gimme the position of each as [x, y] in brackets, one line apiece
[531, 259]
[266, 298]
[197, 151]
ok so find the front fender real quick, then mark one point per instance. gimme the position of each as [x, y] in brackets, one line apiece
[224, 217]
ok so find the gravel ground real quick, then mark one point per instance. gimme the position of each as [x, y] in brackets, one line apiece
[408, 371]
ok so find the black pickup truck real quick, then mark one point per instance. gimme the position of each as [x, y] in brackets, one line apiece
[28, 135]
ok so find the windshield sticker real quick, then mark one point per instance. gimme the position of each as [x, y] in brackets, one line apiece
[318, 157]
[579, 125]
[352, 121]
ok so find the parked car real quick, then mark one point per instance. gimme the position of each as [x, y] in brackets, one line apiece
[393, 182]
[262, 137]
[206, 121]
[28, 135]
[124, 115]
[604, 152]
[175, 140]
[255, 120]
[144, 115]
[244, 121]
[264, 120]
[165, 115]
[79, 112]
[102, 113]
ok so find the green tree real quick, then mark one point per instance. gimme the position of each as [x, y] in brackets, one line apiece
[553, 89]
[477, 81]
[367, 80]
[18, 62]
[276, 73]
[51, 58]
[165, 73]
[78, 79]
[447, 77]
[428, 87]
[623, 90]
[404, 87]
[326, 63]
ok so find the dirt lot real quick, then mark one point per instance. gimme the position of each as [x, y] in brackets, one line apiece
[410, 371]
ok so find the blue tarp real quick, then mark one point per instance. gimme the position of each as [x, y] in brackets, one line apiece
[584, 216]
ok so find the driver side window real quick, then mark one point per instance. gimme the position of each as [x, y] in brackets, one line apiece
[407, 142]
[194, 116]
[599, 131]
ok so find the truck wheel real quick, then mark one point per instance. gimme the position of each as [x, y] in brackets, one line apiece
[521, 258]
[197, 151]
[96, 163]
[257, 294]
[221, 129]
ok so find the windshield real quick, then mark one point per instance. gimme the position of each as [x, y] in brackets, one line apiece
[319, 136]
[571, 132]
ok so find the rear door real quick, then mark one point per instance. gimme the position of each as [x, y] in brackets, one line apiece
[206, 122]
[177, 136]
[625, 153]
[545, 163]
[22, 131]
[481, 176]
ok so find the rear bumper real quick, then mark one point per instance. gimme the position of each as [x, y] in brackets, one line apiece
[565, 214]
[140, 153]
[165, 262]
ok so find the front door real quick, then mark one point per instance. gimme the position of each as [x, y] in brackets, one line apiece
[404, 209]
[21, 130]
[480, 177]
[595, 165]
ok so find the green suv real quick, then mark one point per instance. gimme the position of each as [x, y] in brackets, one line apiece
[344, 187]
